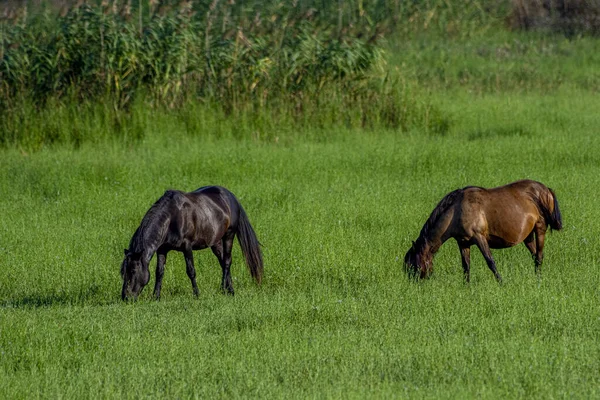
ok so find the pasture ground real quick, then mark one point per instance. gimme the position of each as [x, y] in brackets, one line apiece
[336, 315]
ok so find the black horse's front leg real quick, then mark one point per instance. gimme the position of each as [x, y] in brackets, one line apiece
[161, 258]
[191, 271]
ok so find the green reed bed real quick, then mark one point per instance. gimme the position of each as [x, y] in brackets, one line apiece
[108, 71]
[96, 62]
[111, 64]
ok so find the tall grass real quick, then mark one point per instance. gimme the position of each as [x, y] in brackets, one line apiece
[278, 63]
[95, 70]
[100, 55]
[93, 51]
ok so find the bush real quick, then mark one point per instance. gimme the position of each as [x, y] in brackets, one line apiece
[566, 16]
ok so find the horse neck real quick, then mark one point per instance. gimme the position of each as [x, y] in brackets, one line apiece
[427, 249]
[149, 252]
[428, 243]
[149, 237]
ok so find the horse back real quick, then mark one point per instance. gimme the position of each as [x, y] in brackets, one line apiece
[521, 194]
[219, 198]
[200, 219]
[505, 214]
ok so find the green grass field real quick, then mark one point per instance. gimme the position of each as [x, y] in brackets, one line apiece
[336, 316]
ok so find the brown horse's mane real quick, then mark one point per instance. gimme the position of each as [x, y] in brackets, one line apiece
[151, 226]
[440, 209]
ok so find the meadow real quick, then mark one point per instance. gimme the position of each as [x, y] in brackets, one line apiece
[336, 208]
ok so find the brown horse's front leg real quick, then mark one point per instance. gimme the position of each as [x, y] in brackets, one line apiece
[465, 254]
[483, 246]
[191, 271]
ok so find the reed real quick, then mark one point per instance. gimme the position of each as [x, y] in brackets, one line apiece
[174, 54]
[284, 61]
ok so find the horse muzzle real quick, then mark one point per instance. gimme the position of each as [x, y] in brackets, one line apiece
[128, 294]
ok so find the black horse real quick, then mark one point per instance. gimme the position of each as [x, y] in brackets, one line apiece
[207, 217]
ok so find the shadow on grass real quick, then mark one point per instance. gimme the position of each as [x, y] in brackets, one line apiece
[499, 132]
[82, 296]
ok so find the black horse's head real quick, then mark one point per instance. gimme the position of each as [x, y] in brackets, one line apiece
[418, 262]
[135, 274]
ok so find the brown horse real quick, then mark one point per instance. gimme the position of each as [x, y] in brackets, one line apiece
[488, 218]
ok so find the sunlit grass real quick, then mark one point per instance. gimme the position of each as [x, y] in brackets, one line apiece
[336, 315]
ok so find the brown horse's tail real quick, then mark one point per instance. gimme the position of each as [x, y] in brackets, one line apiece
[554, 218]
[250, 246]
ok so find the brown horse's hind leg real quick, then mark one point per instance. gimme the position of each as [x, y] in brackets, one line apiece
[465, 254]
[191, 271]
[161, 258]
[483, 246]
[530, 243]
[223, 252]
[540, 235]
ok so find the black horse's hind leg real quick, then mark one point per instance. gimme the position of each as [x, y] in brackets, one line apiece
[465, 254]
[223, 252]
[191, 271]
[161, 258]
[483, 246]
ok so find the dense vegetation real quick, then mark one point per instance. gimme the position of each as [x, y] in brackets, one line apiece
[100, 66]
[110, 70]
[337, 165]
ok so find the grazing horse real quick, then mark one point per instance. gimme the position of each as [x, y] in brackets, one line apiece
[488, 218]
[208, 217]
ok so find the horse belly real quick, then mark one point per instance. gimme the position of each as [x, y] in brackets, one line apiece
[199, 246]
[509, 232]
[210, 232]
[497, 242]
[203, 237]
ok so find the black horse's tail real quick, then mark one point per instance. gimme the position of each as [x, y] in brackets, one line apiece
[554, 218]
[250, 246]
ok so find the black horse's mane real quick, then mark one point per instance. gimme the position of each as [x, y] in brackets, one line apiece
[151, 226]
[440, 209]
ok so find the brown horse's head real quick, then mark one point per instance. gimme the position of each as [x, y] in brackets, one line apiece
[417, 261]
[135, 274]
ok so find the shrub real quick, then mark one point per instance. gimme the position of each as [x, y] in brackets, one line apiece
[567, 16]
